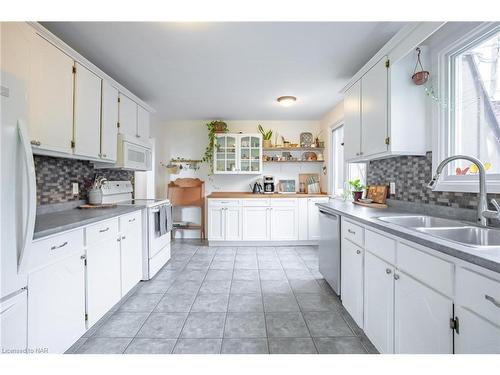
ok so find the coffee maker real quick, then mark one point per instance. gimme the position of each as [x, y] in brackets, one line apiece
[268, 184]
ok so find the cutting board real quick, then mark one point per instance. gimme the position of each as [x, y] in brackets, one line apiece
[377, 193]
[371, 205]
[303, 177]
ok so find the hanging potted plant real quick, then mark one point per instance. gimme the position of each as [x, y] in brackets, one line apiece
[214, 127]
[266, 137]
[420, 77]
[356, 189]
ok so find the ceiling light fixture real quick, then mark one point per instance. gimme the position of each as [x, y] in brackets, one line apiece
[286, 101]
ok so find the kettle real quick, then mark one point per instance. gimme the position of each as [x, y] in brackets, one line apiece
[257, 188]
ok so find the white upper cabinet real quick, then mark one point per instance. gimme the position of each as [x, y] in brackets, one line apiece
[352, 121]
[127, 116]
[50, 97]
[142, 123]
[238, 154]
[87, 108]
[385, 113]
[374, 110]
[109, 121]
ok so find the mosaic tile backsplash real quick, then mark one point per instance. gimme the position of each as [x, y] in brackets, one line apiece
[55, 176]
[411, 175]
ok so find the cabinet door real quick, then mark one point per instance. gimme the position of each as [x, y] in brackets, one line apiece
[232, 227]
[103, 278]
[131, 251]
[284, 224]
[374, 109]
[255, 223]
[225, 157]
[352, 280]
[421, 318]
[313, 218]
[216, 223]
[56, 305]
[379, 303]
[250, 154]
[476, 334]
[50, 98]
[128, 116]
[352, 121]
[109, 121]
[87, 107]
[13, 318]
[142, 123]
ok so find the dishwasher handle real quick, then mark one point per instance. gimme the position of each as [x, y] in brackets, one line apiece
[330, 215]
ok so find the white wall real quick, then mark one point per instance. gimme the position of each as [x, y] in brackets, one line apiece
[188, 139]
[330, 120]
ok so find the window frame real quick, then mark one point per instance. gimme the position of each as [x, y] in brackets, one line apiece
[443, 115]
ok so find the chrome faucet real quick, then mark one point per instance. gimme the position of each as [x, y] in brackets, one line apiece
[483, 214]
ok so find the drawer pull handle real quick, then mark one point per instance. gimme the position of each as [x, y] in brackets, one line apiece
[388, 271]
[58, 247]
[351, 231]
[396, 276]
[492, 300]
[104, 230]
[131, 220]
[358, 251]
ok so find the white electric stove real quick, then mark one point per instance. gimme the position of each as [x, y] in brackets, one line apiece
[156, 241]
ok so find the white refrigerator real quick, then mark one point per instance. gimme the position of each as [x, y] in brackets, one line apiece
[18, 200]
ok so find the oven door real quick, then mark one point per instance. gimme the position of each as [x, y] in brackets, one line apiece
[136, 157]
[157, 241]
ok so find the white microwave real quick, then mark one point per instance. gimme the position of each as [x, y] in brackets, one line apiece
[133, 154]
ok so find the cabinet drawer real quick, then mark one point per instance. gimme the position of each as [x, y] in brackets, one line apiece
[130, 221]
[257, 202]
[478, 293]
[435, 272]
[101, 231]
[223, 202]
[353, 232]
[283, 202]
[49, 250]
[382, 246]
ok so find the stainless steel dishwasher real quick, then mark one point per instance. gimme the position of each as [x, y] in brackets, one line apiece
[329, 248]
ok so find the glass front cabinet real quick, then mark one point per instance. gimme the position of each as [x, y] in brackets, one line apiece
[238, 154]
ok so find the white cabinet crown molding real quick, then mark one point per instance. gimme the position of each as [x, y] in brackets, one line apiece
[46, 34]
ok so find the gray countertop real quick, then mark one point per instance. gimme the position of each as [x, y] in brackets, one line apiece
[489, 258]
[55, 222]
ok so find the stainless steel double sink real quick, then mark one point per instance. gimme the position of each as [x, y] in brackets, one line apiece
[452, 230]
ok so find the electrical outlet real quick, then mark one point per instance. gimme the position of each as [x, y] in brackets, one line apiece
[392, 188]
[76, 189]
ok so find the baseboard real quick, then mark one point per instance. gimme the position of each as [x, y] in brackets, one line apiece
[262, 243]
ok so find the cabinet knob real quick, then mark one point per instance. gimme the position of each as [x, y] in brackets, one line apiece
[358, 251]
[396, 276]
[357, 153]
[123, 237]
[361, 153]
[36, 143]
[388, 271]
[104, 155]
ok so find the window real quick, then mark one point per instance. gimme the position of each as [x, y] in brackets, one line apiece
[341, 173]
[470, 111]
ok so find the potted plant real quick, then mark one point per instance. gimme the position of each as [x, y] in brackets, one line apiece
[356, 189]
[214, 127]
[266, 137]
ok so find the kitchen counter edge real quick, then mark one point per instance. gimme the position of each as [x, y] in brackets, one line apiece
[236, 195]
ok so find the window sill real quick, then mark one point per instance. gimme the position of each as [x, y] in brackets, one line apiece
[492, 187]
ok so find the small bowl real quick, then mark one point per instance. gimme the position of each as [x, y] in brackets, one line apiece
[366, 200]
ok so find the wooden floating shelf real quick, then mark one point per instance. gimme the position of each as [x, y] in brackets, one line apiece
[293, 149]
[293, 161]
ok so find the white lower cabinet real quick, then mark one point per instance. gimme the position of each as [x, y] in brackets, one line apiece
[56, 305]
[313, 233]
[224, 223]
[284, 223]
[103, 277]
[352, 280]
[255, 223]
[476, 335]
[379, 303]
[130, 251]
[421, 318]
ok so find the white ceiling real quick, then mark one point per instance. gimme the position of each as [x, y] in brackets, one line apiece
[189, 71]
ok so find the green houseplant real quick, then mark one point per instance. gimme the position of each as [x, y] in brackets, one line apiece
[266, 136]
[214, 127]
[356, 189]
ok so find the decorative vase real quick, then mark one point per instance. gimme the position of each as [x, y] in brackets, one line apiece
[266, 143]
[220, 127]
[357, 195]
